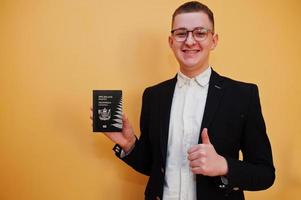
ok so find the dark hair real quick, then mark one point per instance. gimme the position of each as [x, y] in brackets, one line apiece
[194, 6]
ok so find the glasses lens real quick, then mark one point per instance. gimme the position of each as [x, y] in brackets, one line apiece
[200, 34]
[180, 35]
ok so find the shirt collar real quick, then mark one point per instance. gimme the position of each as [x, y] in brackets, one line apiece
[202, 79]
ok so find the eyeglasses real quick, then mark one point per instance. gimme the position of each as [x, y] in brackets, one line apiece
[199, 34]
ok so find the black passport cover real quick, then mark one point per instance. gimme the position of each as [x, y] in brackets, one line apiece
[107, 110]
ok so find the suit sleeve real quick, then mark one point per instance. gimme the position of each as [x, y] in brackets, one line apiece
[140, 158]
[256, 171]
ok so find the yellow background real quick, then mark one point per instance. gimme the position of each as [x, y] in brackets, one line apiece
[53, 53]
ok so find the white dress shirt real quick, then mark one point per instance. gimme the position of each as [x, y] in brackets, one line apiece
[186, 116]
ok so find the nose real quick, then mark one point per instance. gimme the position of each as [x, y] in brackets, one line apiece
[190, 39]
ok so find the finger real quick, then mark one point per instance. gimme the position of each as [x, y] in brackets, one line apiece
[198, 163]
[205, 137]
[124, 118]
[197, 170]
[110, 133]
[125, 121]
[91, 115]
[195, 163]
[193, 149]
[196, 155]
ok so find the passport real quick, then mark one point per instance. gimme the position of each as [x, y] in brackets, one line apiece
[107, 110]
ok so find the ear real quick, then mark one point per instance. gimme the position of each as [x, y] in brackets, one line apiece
[170, 41]
[214, 41]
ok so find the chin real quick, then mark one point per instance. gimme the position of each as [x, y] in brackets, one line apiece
[191, 62]
[190, 66]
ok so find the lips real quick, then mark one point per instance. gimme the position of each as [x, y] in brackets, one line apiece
[190, 51]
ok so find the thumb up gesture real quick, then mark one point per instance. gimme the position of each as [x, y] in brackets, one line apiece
[204, 160]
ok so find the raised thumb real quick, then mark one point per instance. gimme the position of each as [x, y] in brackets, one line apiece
[205, 137]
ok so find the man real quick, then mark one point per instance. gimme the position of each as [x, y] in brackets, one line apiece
[194, 125]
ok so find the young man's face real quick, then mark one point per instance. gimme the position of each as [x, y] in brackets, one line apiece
[193, 55]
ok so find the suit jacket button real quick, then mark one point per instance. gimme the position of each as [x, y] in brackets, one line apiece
[236, 188]
[162, 170]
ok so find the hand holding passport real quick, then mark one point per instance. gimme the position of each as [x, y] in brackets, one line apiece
[109, 119]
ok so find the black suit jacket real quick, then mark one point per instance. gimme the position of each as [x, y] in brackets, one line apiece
[235, 123]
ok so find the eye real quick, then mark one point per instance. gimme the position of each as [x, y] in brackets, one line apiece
[180, 33]
[200, 33]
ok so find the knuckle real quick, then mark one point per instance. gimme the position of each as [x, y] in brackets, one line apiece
[204, 169]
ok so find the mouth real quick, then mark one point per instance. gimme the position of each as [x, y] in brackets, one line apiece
[190, 51]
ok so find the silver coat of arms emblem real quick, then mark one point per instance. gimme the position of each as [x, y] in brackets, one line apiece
[104, 114]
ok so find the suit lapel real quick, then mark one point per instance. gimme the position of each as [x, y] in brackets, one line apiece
[214, 96]
[166, 96]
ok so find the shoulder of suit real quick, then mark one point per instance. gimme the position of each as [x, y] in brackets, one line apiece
[236, 83]
[162, 85]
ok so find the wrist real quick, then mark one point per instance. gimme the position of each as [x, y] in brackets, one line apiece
[129, 145]
[224, 166]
